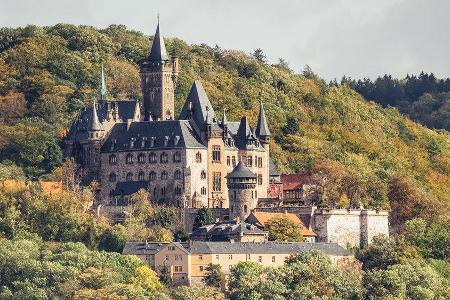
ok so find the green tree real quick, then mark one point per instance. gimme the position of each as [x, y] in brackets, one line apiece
[282, 228]
[259, 55]
[213, 276]
[113, 239]
[203, 217]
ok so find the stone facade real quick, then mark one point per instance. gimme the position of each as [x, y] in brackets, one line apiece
[346, 227]
[181, 161]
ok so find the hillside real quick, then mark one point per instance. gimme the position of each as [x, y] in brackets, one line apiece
[366, 153]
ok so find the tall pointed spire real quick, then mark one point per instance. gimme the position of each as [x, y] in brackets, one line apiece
[158, 51]
[262, 129]
[102, 89]
[95, 124]
[224, 118]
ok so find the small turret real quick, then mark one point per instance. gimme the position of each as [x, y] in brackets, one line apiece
[241, 184]
[95, 128]
[262, 129]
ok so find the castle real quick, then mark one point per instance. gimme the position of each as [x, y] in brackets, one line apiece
[191, 161]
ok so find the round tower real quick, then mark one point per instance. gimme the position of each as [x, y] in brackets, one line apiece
[241, 184]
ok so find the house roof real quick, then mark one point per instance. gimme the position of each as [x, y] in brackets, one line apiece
[125, 188]
[142, 248]
[197, 106]
[222, 231]
[294, 181]
[152, 135]
[199, 247]
[263, 217]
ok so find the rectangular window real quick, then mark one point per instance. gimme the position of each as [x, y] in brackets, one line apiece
[167, 257]
[216, 154]
[178, 257]
[260, 259]
[273, 259]
[200, 257]
[230, 256]
[248, 256]
[217, 256]
[260, 179]
[259, 162]
[178, 269]
[249, 161]
[228, 161]
[233, 161]
[171, 248]
[217, 181]
[201, 268]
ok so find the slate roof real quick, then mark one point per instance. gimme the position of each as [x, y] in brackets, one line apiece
[79, 129]
[241, 171]
[197, 106]
[164, 134]
[199, 247]
[93, 122]
[262, 129]
[158, 51]
[223, 231]
[294, 181]
[127, 188]
[273, 172]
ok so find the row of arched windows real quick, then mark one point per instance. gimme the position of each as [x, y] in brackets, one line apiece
[152, 158]
[151, 176]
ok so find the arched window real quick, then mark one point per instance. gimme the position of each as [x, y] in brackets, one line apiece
[129, 158]
[141, 176]
[203, 174]
[177, 174]
[177, 157]
[154, 192]
[245, 209]
[234, 195]
[164, 175]
[130, 176]
[141, 158]
[164, 158]
[232, 208]
[112, 177]
[163, 191]
[152, 157]
[198, 157]
[203, 191]
[178, 190]
[112, 159]
[152, 176]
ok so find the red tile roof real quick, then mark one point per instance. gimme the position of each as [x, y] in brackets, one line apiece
[294, 181]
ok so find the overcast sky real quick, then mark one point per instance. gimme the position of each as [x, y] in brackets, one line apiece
[357, 38]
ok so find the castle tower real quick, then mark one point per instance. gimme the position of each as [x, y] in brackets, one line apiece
[241, 184]
[262, 129]
[159, 75]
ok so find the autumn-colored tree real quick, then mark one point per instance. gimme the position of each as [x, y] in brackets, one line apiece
[282, 228]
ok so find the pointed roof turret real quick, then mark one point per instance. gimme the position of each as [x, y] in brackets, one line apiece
[94, 123]
[262, 129]
[196, 106]
[244, 129]
[158, 51]
[102, 88]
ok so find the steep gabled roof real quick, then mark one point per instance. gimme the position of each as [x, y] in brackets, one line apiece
[198, 106]
[294, 181]
[158, 51]
[93, 122]
[262, 218]
[262, 129]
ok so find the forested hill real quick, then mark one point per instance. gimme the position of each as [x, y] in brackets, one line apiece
[367, 153]
[424, 98]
